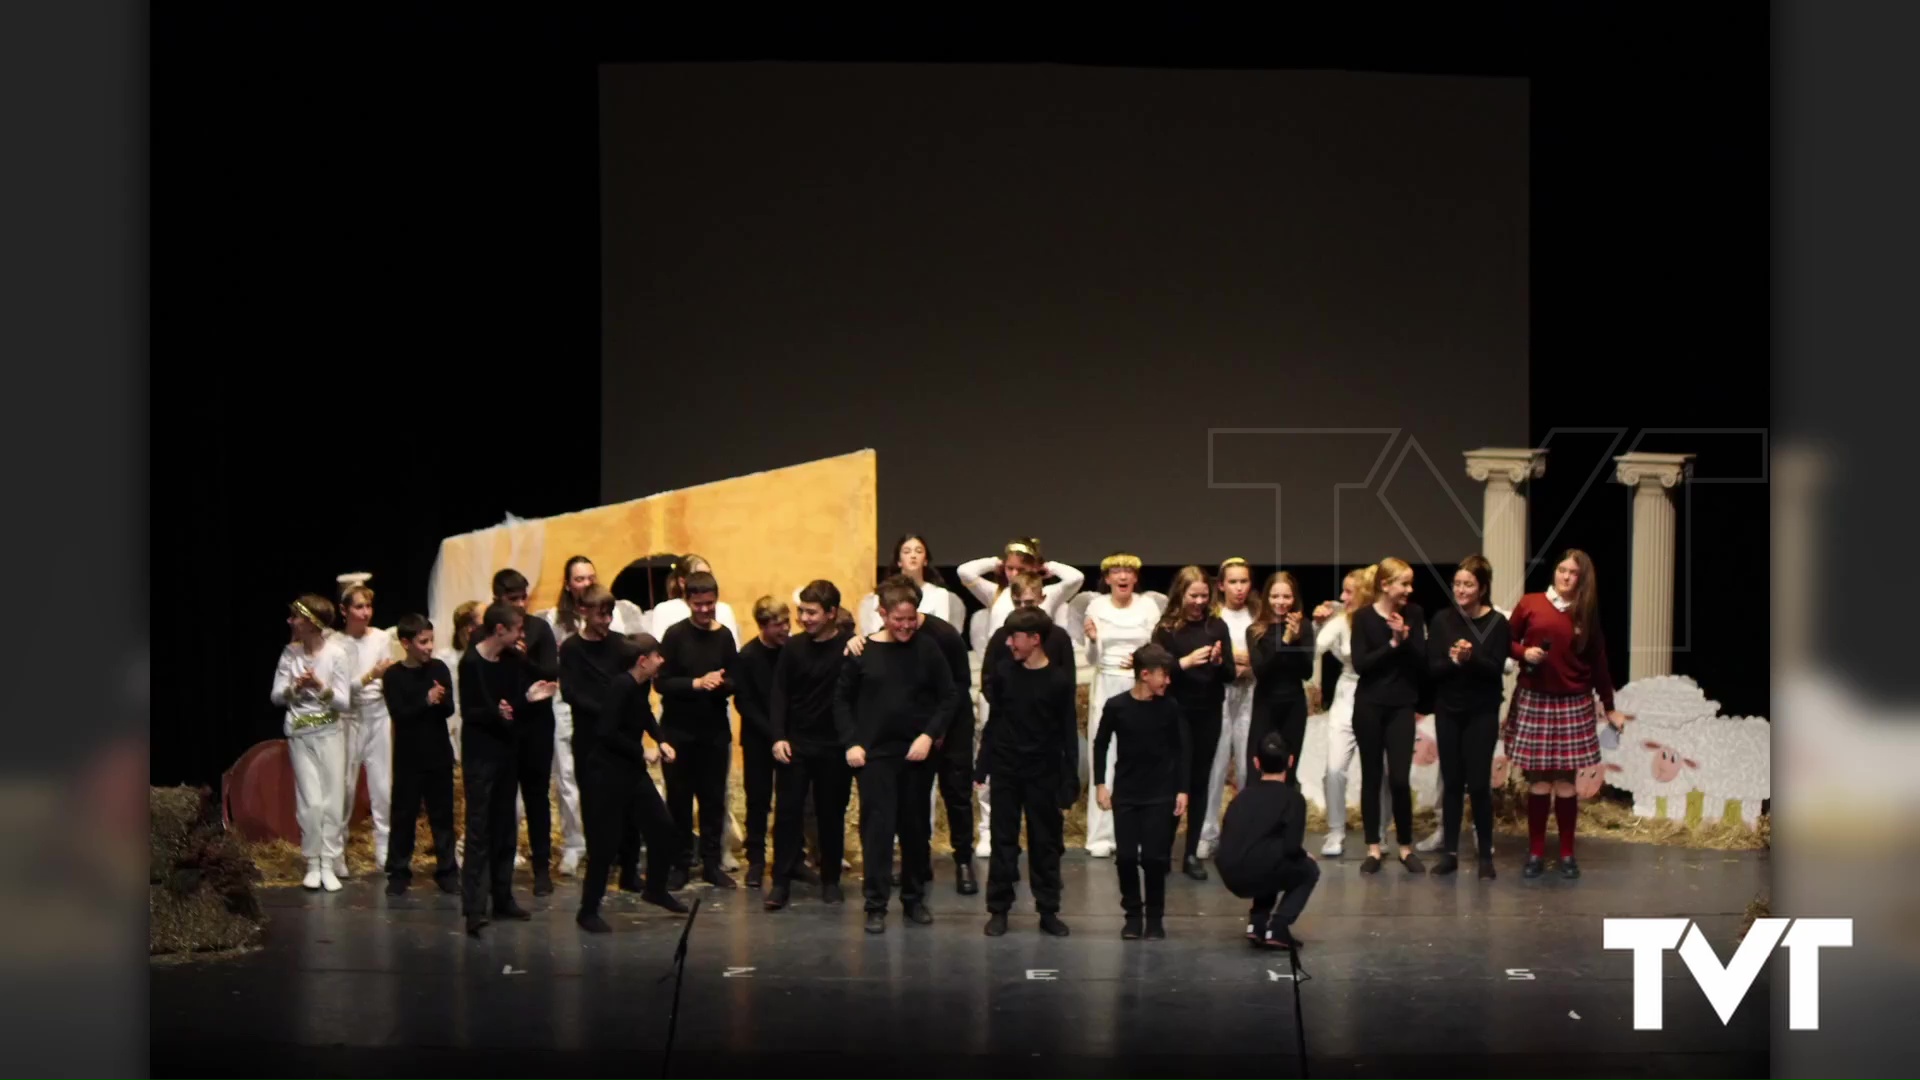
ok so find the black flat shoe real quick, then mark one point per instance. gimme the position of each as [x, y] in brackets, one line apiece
[776, 897]
[1194, 868]
[996, 924]
[1486, 869]
[1569, 869]
[396, 886]
[756, 873]
[963, 879]
[1370, 864]
[1050, 924]
[1412, 863]
[593, 924]
[449, 883]
[1534, 868]
[507, 909]
[1256, 930]
[1130, 930]
[665, 900]
[1155, 931]
[1445, 864]
[718, 878]
[676, 879]
[918, 913]
[1281, 937]
[805, 876]
[876, 922]
[475, 924]
[830, 893]
[542, 885]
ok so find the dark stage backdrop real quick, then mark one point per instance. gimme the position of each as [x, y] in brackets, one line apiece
[1035, 289]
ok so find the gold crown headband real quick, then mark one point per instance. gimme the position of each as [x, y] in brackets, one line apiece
[306, 613]
[1235, 561]
[1120, 562]
[1019, 548]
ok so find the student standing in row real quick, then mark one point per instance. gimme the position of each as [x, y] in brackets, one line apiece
[1146, 791]
[1203, 653]
[953, 751]
[369, 729]
[1118, 623]
[533, 729]
[313, 684]
[694, 688]
[753, 695]
[676, 608]
[1238, 607]
[567, 617]
[419, 693]
[466, 626]
[1552, 728]
[812, 760]
[501, 687]
[1031, 743]
[892, 703]
[1467, 647]
[1333, 639]
[593, 658]
[620, 796]
[1282, 662]
[1390, 653]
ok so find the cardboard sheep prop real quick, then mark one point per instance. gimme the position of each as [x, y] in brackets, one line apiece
[1682, 761]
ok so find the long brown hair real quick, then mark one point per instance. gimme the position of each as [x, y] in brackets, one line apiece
[682, 568]
[568, 612]
[1267, 618]
[1256, 603]
[463, 624]
[1174, 617]
[1584, 605]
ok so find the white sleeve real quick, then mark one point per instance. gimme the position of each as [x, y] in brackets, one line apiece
[868, 614]
[282, 679]
[1093, 645]
[1057, 594]
[724, 613]
[340, 681]
[973, 575]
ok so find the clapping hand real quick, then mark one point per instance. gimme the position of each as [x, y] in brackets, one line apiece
[542, 690]
[1461, 652]
[436, 694]
[1399, 627]
[712, 680]
[1293, 626]
[1323, 612]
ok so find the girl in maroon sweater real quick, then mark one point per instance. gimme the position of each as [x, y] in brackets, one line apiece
[1552, 730]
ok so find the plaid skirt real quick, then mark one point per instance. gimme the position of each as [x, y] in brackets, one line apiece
[1552, 731]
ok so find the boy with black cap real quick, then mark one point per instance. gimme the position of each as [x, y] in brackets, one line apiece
[1260, 857]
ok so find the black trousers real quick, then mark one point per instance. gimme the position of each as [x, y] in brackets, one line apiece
[1203, 734]
[893, 803]
[585, 747]
[1296, 883]
[488, 770]
[829, 781]
[956, 786]
[533, 770]
[619, 801]
[1039, 801]
[1466, 741]
[1386, 730]
[699, 771]
[422, 771]
[1144, 834]
[756, 767]
[1287, 715]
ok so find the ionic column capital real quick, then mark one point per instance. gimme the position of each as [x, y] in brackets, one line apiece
[1646, 471]
[1511, 465]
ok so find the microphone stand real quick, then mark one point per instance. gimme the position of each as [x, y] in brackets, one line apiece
[678, 975]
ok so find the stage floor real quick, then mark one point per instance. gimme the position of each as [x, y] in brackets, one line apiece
[1409, 976]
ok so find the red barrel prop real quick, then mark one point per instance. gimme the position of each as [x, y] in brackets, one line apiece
[257, 795]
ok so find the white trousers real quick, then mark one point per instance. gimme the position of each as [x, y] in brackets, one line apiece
[1343, 757]
[369, 734]
[983, 821]
[319, 758]
[566, 783]
[1229, 755]
[1100, 822]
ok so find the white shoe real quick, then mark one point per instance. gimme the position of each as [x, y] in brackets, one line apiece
[983, 850]
[380, 857]
[1432, 842]
[1100, 851]
[1335, 846]
[569, 863]
[339, 867]
[312, 880]
[328, 881]
[1206, 850]
[519, 861]
[728, 862]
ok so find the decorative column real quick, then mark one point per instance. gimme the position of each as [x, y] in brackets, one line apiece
[1652, 477]
[1799, 475]
[1503, 516]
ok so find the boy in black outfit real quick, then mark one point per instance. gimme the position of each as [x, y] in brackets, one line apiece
[1260, 856]
[533, 728]
[499, 687]
[1149, 784]
[694, 686]
[1030, 750]
[419, 693]
[811, 761]
[591, 661]
[620, 796]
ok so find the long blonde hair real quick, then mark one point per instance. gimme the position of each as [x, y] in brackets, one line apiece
[1174, 617]
[1267, 618]
[1361, 584]
[1256, 603]
[1385, 571]
[463, 624]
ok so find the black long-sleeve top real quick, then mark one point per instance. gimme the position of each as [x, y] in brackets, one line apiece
[416, 723]
[893, 693]
[954, 647]
[1032, 729]
[1201, 690]
[1389, 674]
[688, 715]
[588, 669]
[752, 677]
[1057, 644]
[626, 716]
[1263, 828]
[484, 684]
[801, 705]
[1280, 668]
[1476, 684]
[1155, 750]
[543, 659]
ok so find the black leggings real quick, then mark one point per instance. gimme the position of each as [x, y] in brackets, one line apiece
[1385, 730]
[1466, 768]
[1288, 716]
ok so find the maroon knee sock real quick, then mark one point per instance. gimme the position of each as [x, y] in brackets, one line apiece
[1537, 824]
[1567, 813]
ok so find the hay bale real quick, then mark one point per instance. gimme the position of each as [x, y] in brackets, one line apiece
[195, 922]
[172, 814]
[200, 881]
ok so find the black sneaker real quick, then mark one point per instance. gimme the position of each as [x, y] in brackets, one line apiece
[1050, 924]
[449, 882]
[918, 913]
[963, 880]
[876, 922]
[756, 873]
[1370, 864]
[1486, 868]
[1534, 868]
[631, 881]
[1413, 864]
[396, 885]
[1257, 928]
[1281, 937]
[1194, 868]
[1569, 869]
[677, 879]
[1130, 930]
[830, 893]
[507, 909]
[593, 924]
[475, 924]
[805, 875]
[665, 900]
[1155, 931]
[776, 897]
[996, 924]
[543, 883]
[718, 878]
[1447, 863]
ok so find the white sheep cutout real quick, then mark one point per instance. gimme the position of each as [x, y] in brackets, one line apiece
[1683, 761]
